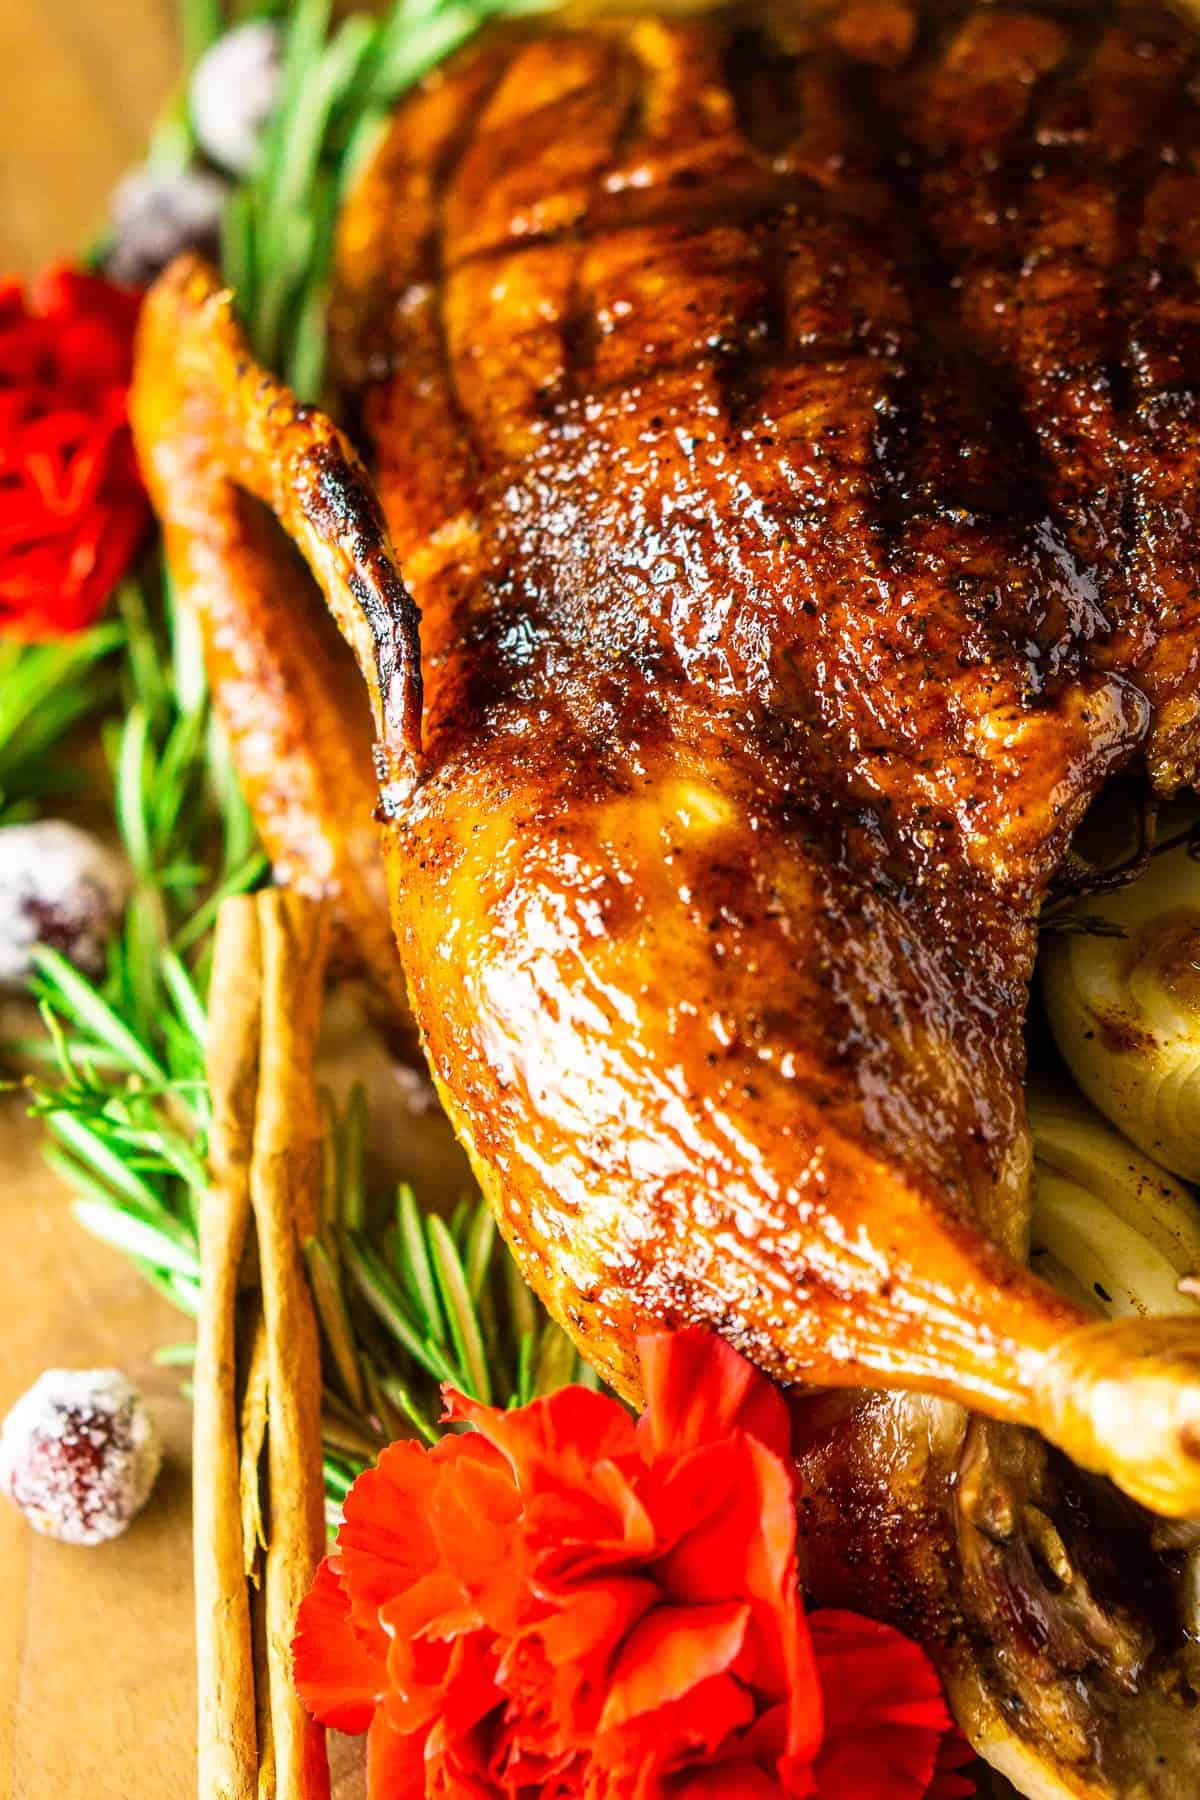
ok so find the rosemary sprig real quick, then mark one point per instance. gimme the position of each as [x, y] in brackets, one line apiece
[201, 23]
[122, 1083]
[407, 1300]
[46, 691]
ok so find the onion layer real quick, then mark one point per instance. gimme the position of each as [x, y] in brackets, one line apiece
[1110, 1227]
[1125, 1010]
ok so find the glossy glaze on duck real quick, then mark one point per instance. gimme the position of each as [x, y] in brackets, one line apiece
[764, 597]
[785, 423]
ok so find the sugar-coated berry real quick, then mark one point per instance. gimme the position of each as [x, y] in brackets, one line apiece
[58, 886]
[79, 1454]
[156, 214]
[233, 94]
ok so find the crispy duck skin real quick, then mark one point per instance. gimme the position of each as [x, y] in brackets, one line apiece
[785, 426]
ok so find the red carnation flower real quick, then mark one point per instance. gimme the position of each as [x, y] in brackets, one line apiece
[569, 1604]
[72, 506]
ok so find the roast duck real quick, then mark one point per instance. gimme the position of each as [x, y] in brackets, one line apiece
[776, 520]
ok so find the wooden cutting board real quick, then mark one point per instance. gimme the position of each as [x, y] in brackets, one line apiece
[80, 83]
[96, 1669]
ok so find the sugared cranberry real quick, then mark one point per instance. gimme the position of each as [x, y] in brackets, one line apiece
[58, 886]
[79, 1454]
[156, 213]
[234, 92]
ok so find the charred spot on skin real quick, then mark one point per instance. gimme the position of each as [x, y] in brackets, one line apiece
[339, 502]
[363, 594]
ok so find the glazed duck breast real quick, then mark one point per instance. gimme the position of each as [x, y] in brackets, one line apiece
[784, 424]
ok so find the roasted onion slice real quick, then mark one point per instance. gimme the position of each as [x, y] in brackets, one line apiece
[1125, 1008]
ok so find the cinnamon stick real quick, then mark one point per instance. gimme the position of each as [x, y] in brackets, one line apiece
[228, 1736]
[262, 1682]
[254, 1437]
[285, 1179]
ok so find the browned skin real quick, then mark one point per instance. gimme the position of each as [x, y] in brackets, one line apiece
[785, 432]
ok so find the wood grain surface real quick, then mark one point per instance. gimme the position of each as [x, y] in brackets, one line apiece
[96, 1673]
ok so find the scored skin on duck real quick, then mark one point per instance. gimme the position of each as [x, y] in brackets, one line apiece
[670, 390]
[700, 480]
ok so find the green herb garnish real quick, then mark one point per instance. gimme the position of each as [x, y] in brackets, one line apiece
[46, 691]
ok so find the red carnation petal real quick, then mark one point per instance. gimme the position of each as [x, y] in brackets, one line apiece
[699, 1389]
[73, 508]
[706, 1726]
[745, 1548]
[555, 1676]
[554, 1442]
[425, 1625]
[452, 1689]
[730, 1781]
[395, 1762]
[575, 1537]
[471, 1692]
[591, 1621]
[885, 1713]
[474, 1514]
[529, 1756]
[949, 1782]
[670, 1652]
[337, 1677]
[726, 1520]
[386, 1541]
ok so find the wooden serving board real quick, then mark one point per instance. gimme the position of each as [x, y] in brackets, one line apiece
[80, 83]
[97, 1675]
[96, 1670]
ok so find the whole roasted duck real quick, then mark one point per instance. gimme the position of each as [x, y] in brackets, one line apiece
[786, 427]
